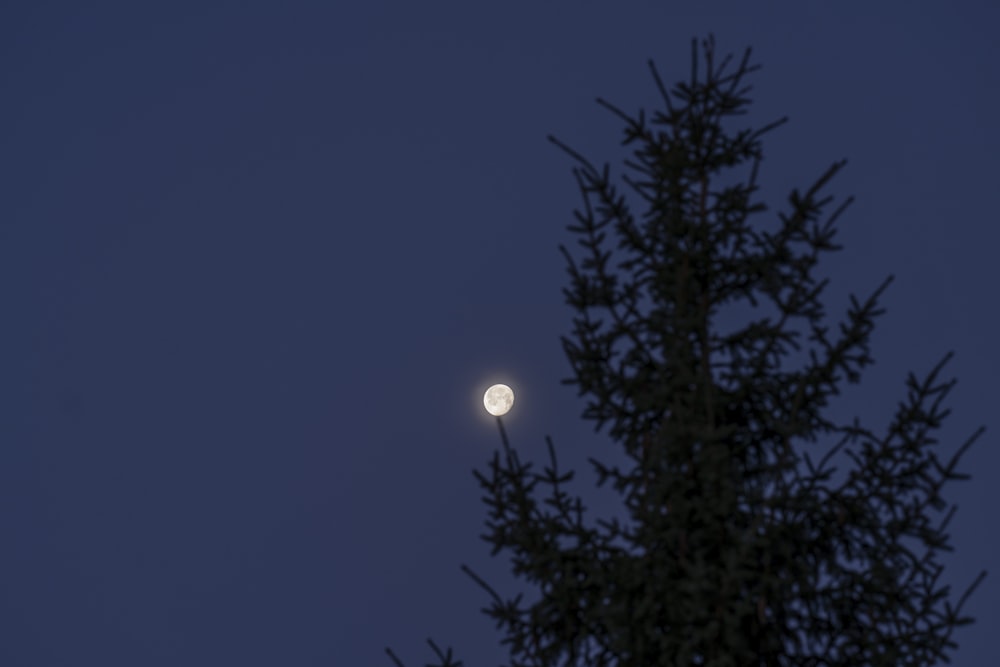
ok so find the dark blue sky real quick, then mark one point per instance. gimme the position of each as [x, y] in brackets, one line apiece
[258, 262]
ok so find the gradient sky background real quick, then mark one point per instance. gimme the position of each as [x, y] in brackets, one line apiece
[258, 262]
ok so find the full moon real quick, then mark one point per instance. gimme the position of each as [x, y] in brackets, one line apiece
[498, 399]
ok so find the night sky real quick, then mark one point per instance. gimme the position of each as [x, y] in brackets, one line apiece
[258, 262]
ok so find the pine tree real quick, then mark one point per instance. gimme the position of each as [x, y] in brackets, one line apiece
[740, 549]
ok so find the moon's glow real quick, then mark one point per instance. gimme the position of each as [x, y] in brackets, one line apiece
[498, 399]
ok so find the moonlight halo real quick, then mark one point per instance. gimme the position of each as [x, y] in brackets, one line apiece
[498, 399]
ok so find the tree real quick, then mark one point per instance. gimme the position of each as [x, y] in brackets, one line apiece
[739, 549]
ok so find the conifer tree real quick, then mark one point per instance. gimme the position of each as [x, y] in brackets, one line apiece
[740, 548]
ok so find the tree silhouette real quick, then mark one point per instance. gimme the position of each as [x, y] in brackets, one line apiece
[739, 549]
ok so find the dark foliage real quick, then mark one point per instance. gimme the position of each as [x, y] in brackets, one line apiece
[739, 550]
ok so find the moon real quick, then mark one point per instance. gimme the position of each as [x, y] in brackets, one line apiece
[498, 399]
